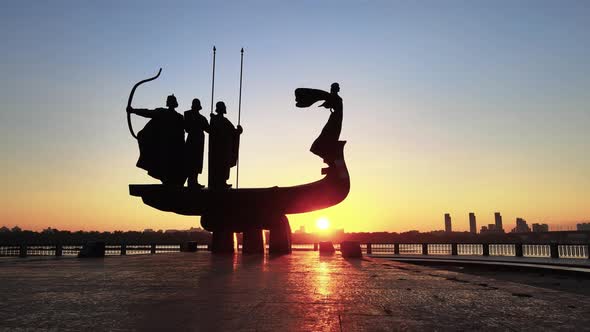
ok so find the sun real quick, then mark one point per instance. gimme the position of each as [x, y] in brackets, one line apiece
[323, 223]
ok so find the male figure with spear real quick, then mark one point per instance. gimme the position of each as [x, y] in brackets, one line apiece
[224, 142]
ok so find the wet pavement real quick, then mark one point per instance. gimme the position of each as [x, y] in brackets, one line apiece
[572, 264]
[299, 292]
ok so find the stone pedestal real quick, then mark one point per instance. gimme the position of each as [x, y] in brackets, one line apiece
[518, 250]
[190, 246]
[351, 249]
[280, 237]
[22, 251]
[253, 241]
[554, 250]
[92, 249]
[222, 242]
[327, 247]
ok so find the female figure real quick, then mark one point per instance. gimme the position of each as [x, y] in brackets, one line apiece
[325, 146]
[195, 125]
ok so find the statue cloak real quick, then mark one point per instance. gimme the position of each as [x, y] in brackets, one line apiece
[161, 147]
[325, 145]
[195, 125]
[224, 144]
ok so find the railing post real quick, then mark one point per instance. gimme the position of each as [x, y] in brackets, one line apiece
[454, 250]
[554, 250]
[396, 248]
[315, 247]
[58, 250]
[424, 248]
[518, 249]
[485, 249]
[190, 246]
[23, 251]
[153, 251]
[123, 249]
[588, 250]
[369, 249]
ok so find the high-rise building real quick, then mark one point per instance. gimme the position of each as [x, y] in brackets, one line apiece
[490, 228]
[448, 225]
[301, 230]
[498, 222]
[540, 228]
[521, 226]
[585, 226]
[472, 223]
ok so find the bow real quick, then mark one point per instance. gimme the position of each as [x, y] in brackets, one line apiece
[131, 98]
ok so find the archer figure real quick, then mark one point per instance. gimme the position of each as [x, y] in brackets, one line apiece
[161, 143]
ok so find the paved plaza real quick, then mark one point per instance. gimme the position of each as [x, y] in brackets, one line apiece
[299, 292]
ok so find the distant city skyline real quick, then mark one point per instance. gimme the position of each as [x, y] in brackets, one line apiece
[471, 228]
[521, 225]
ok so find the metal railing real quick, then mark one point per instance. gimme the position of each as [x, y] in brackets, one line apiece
[439, 249]
[73, 250]
[502, 250]
[536, 250]
[306, 246]
[6, 251]
[70, 250]
[470, 249]
[573, 251]
[553, 250]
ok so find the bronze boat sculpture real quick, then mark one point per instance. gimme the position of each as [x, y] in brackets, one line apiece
[251, 210]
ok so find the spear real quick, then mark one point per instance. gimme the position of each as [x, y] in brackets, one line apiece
[239, 116]
[213, 80]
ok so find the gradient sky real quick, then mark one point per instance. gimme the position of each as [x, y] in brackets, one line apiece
[449, 106]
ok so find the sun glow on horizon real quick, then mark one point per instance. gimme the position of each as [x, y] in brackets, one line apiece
[323, 223]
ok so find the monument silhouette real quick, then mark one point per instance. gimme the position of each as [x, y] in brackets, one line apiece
[225, 210]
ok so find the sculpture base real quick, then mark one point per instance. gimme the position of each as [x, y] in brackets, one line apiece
[190, 246]
[326, 247]
[222, 242]
[92, 249]
[351, 249]
[280, 237]
[253, 241]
